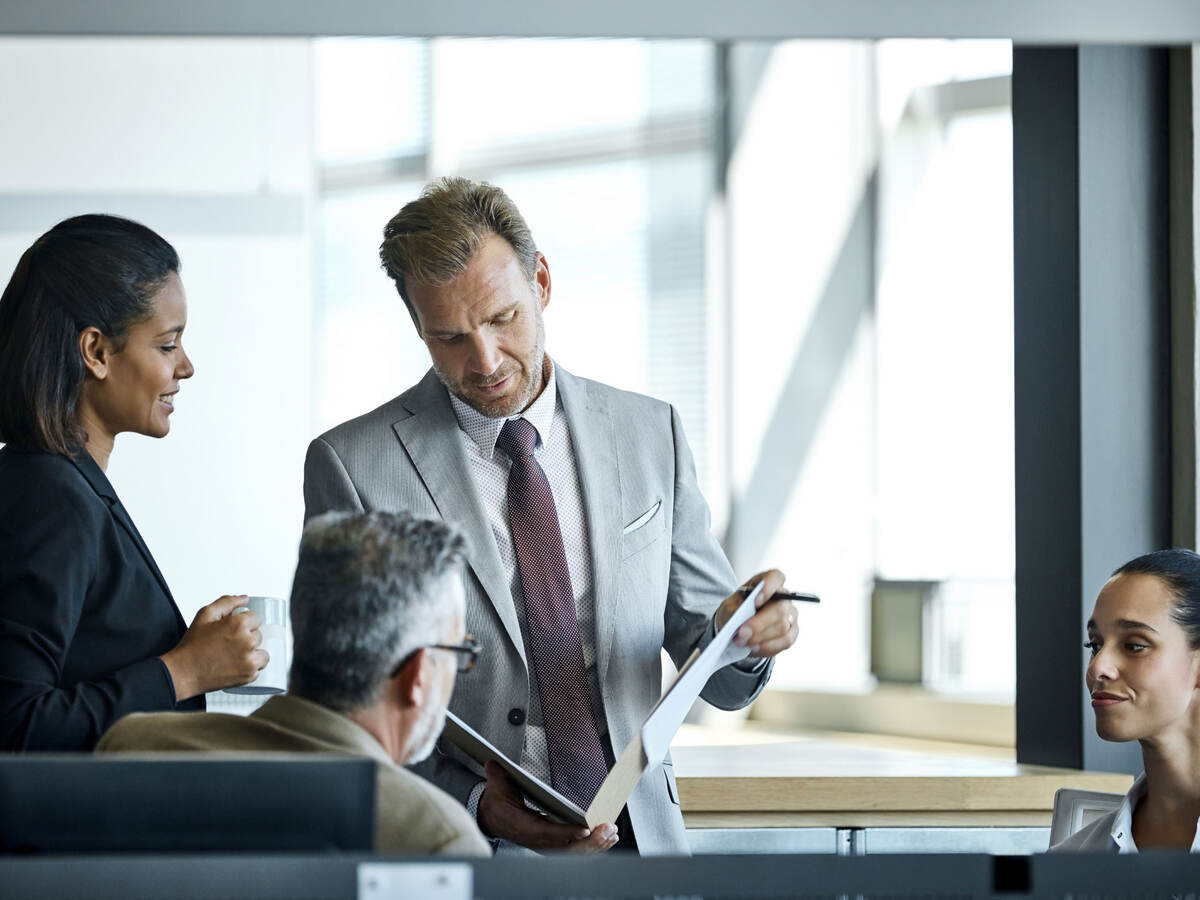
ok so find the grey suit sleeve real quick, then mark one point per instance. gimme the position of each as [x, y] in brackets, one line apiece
[449, 774]
[701, 578]
[466, 844]
[327, 485]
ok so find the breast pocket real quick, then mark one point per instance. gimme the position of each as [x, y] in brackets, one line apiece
[643, 529]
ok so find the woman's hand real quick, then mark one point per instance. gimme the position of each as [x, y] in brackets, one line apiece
[219, 650]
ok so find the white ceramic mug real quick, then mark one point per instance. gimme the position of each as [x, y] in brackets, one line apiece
[273, 678]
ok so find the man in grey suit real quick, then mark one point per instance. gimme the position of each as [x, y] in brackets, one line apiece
[377, 616]
[589, 542]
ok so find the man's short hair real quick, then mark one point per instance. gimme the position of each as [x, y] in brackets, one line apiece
[433, 238]
[364, 597]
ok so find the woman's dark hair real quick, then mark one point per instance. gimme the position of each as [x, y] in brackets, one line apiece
[89, 271]
[1179, 570]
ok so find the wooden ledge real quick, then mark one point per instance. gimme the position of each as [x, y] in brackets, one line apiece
[822, 781]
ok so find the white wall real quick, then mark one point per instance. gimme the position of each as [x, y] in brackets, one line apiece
[208, 141]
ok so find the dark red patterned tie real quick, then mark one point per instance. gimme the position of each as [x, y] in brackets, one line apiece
[577, 766]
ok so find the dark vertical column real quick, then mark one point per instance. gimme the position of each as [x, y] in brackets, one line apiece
[1093, 465]
[1184, 370]
[1045, 96]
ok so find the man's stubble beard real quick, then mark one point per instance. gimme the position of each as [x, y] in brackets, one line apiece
[429, 728]
[507, 406]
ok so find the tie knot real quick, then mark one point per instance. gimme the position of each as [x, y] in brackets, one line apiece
[517, 439]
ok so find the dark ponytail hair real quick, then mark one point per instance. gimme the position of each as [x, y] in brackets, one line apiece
[1179, 570]
[89, 271]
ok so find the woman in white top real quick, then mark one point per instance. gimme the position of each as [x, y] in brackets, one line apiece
[1144, 678]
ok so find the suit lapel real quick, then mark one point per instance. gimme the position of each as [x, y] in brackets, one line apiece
[430, 436]
[99, 483]
[593, 438]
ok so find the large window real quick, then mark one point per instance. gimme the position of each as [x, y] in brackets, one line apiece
[609, 159]
[805, 246]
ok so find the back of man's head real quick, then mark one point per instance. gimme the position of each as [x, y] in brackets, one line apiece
[366, 595]
[433, 238]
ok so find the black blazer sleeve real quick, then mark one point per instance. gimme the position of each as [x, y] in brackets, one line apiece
[82, 616]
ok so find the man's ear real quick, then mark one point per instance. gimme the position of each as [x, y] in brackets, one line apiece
[96, 351]
[410, 685]
[541, 281]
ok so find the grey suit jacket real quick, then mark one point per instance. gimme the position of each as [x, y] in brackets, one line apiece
[659, 573]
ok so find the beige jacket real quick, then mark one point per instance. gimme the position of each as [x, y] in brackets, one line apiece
[412, 815]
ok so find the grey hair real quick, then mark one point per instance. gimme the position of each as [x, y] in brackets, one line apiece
[364, 597]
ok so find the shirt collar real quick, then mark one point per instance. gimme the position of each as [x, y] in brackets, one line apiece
[1122, 829]
[484, 430]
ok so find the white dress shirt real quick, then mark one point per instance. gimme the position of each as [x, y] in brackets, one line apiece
[489, 470]
[1113, 832]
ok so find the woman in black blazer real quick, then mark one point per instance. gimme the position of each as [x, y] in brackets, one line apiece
[90, 346]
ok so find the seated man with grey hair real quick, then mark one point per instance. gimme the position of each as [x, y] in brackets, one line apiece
[377, 614]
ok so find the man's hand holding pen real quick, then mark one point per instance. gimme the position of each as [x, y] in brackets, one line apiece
[774, 627]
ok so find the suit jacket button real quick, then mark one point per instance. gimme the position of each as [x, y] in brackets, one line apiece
[516, 716]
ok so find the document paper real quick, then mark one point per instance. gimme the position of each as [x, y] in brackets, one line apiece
[648, 747]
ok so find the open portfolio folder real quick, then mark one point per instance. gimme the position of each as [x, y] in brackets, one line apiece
[648, 747]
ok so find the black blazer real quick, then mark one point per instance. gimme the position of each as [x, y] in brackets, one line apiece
[84, 611]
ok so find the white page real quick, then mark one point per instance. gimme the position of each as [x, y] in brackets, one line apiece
[659, 728]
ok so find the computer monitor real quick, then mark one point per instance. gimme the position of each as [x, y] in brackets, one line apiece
[1075, 809]
[279, 802]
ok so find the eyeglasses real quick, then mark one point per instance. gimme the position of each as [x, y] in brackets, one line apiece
[467, 653]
